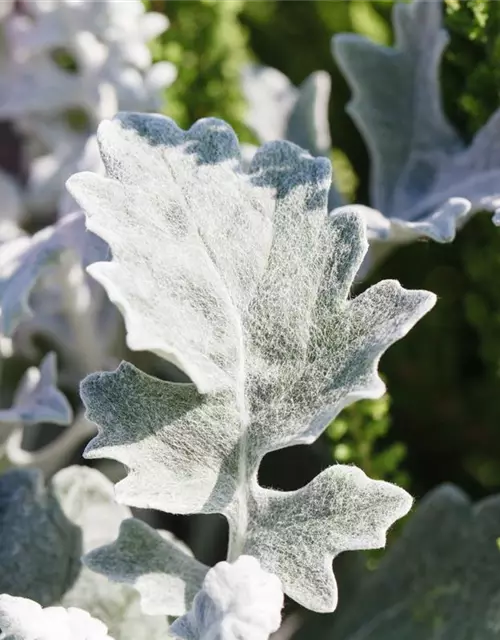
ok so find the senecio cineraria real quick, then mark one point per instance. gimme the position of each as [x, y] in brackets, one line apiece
[236, 265]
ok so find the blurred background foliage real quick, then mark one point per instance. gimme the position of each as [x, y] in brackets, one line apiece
[443, 420]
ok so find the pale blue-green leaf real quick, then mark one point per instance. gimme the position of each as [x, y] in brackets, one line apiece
[37, 398]
[40, 548]
[238, 600]
[419, 162]
[23, 619]
[440, 580]
[162, 570]
[252, 302]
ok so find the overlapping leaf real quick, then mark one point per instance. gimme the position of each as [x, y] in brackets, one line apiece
[242, 280]
[103, 42]
[424, 181]
[162, 570]
[87, 499]
[23, 619]
[279, 111]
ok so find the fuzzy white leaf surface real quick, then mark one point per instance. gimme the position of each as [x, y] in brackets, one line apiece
[242, 280]
[23, 619]
[69, 64]
[238, 600]
[52, 24]
[37, 398]
[425, 181]
[45, 531]
[107, 42]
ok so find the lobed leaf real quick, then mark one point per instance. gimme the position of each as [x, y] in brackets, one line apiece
[242, 280]
[44, 533]
[161, 569]
[87, 498]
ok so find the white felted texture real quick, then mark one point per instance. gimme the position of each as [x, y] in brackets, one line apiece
[238, 600]
[242, 280]
[111, 68]
[424, 180]
[23, 619]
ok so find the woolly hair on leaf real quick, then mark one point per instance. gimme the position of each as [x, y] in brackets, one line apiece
[425, 181]
[241, 279]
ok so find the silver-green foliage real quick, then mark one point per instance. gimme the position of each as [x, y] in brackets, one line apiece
[425, 181]
[242, 279]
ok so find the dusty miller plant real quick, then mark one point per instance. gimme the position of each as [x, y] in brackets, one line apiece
[239, 273]
[242, 279]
